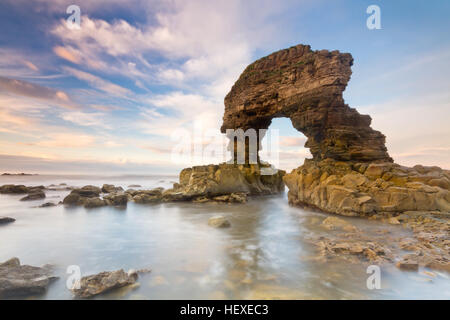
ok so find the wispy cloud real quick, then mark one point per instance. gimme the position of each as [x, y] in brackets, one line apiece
[30, 90]
[99, 83]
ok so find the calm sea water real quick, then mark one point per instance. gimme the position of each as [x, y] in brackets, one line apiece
[263, 255]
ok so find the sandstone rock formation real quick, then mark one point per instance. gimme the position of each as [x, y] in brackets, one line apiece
[351, 172]
[216, 183]
[225, 183]
[93, 285]
[358, 188]
[305, 86]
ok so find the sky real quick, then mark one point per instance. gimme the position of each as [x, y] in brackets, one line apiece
[140, 79]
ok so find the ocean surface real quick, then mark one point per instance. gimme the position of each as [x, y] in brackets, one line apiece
[264, 254]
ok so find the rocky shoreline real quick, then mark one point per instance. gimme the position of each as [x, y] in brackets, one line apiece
[226, 183]
[367, 189]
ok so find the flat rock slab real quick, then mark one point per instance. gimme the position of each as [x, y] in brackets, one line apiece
[103, 282]
[22, 280]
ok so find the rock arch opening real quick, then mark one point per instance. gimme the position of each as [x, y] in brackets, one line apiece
[290, 145]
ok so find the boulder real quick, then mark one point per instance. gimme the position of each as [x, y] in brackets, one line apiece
[109, 188]
[143, 198]
[81, 196]
[22, 280]
[94, 285]
[72, 199]
[5, 220]
[118, 200]
[14, 189]
[94, 203]
[88, 191]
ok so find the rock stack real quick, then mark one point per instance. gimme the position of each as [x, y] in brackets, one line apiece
[351, 172]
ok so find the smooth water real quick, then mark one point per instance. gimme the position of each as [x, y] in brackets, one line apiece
[265, 253]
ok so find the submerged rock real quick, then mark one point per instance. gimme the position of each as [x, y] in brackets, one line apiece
[47, 204]
[5, 220]
[332, 223]
[408, 264]
[34, 195]
[219, 222]
[103, 282]
[21, 280]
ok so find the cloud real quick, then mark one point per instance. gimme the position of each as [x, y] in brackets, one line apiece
[292, 141]
[31, 65]
[67, 54]
[93, 119]
[99, 83]
[35, 91]
[199, 40]
[66, 140]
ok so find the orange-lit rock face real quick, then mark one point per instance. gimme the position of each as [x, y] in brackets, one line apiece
[305, 86]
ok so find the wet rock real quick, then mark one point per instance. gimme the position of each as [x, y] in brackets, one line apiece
[47, 204]
[109, 188]
[6, 220]
[90, 203]
[148, 196]
[175, 196]
[232, 198]
[332, 223]
[35, 195]
[393, 220]
[118, 200]
[134, 186]
[201, 199]
[22, 280]
[219, 222]
[407, 264]
[81, 196]
[72, 199]
[88, 191]
[14, 189]
[103, 282]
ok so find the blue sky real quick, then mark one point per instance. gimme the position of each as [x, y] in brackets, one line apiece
[122, 92]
